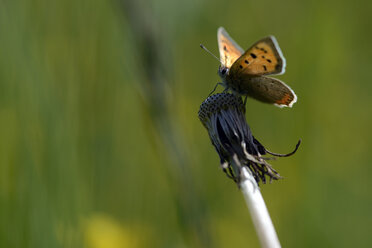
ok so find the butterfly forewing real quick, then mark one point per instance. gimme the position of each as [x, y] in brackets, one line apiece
[263, 58]
[230, 51]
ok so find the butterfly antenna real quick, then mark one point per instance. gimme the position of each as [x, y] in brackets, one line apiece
[204, 48]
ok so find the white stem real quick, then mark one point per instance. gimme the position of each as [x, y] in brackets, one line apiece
[257, 207]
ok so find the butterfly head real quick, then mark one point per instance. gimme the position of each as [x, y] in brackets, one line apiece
[223, 71]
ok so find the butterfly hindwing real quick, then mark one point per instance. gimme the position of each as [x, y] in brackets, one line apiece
[230, 51]
[263, 58]
[266, 89]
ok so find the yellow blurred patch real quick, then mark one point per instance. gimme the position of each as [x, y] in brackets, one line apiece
[103, 231]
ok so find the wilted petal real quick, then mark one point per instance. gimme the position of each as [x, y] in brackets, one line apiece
[223, 115]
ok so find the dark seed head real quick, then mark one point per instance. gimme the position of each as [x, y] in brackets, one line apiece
[223, 115]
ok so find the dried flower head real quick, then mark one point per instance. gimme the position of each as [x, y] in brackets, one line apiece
[223, 115]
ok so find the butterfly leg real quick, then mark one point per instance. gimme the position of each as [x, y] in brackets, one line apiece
[245, 100]
[215, 87]
[226, 89]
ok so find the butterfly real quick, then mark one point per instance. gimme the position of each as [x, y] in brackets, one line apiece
[244, 73]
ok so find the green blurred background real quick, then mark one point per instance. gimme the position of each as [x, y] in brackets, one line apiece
[100, 144]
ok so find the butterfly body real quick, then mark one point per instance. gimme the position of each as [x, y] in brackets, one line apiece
[245, 73]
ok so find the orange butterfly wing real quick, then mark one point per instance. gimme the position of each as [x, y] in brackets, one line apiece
[263, 58]
[230, 51]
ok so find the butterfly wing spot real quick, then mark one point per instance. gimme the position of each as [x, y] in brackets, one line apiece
[224, 48]
[262, 49]
[263, 58]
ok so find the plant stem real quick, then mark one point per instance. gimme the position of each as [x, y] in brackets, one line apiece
[257, 207]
